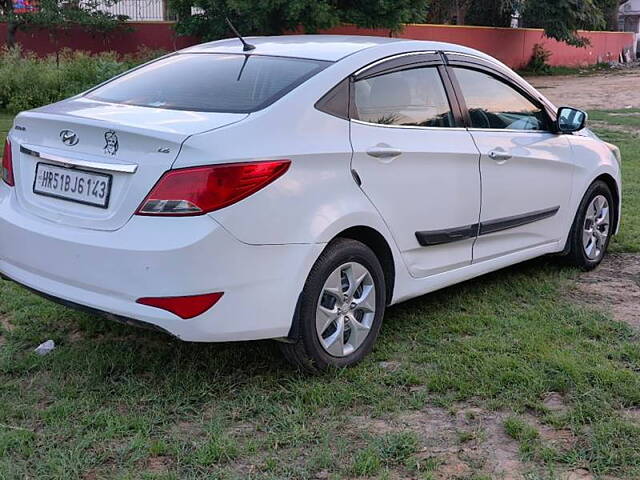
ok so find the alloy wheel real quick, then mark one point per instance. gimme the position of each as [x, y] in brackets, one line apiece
[346, 309]
[596, 227]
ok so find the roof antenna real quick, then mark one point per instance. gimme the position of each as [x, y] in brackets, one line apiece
[246, 47]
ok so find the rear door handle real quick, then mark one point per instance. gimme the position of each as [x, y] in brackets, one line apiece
[499, 156]
[383, 152]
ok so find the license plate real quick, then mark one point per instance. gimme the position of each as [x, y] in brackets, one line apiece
[78, 186]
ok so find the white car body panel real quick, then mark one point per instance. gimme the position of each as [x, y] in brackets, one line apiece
[592, 159]
[536, 178]
[318, 47]
[260, 250]
[437, 167]
[320, 164]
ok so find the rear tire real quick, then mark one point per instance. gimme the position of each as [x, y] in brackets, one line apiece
[592, 228]
[340, 309]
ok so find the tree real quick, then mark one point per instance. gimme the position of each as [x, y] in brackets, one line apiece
[57, 17]
[610, 10]
[272, 17]
[561, 19]
[7, 15]
[492, 13]
[449, 11]
[495, 13]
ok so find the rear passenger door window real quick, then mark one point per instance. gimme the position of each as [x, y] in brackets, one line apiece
[492, 104]
[407, 98]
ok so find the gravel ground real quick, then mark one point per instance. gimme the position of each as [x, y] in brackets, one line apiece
[614, 90]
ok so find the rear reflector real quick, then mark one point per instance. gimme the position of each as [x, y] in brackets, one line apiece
[184, 307]
[7, 164]
[199, 190]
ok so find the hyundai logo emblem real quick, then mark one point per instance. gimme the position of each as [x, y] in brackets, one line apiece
[69, 138]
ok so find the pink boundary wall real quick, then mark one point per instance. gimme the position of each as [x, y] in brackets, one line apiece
[512, 46]
[153, 35]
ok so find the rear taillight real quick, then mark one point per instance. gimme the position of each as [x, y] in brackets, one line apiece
[184, 307]
[7, 164]
[198, 190]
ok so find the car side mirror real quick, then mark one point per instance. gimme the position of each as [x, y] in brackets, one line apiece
[571, 120]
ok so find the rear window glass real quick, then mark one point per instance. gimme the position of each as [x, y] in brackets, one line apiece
[210, 82]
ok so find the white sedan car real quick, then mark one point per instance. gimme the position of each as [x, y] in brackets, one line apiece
[295, 190]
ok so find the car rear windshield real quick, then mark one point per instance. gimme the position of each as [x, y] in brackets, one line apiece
[209, 82]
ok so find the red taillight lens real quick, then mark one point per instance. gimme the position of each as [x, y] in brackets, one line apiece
[198, 190]
[7, 164]
[184, 307]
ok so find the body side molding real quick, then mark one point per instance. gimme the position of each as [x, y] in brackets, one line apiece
[493, 226]
[440, 237]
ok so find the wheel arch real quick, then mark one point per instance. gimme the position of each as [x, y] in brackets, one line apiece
[615, 191]
[611, 182]
[379, 245]
[376, 241]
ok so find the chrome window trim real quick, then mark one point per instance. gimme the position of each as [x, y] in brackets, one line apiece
[411, 127]
[488, 130]
[477, 57]
[392, 57]
[509, 130]
[73, 163]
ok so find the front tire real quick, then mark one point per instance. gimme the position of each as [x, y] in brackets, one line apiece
[340, 309]
[592, 227]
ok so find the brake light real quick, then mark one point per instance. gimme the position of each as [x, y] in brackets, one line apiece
[7, 164]
[184, 307]
[199, 190]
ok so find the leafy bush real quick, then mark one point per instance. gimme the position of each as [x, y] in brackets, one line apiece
[27, 81]
[539, 60]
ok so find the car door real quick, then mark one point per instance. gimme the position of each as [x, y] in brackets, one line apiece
[526, 167]
[415, 162]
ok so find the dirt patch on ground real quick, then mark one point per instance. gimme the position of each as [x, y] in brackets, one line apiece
[632, 414]
[6, 326]
[592, 92]
[613, 287]
[488, 449]
[466, 441]
[554, 402]
[158, 465]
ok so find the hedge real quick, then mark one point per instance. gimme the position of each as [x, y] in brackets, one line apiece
[27, 81]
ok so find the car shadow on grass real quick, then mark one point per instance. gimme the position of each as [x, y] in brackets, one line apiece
[82, 335]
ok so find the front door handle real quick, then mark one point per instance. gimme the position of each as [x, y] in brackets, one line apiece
[499, 156]
[383, 152]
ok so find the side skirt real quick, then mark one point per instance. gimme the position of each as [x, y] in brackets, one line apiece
[414, 287]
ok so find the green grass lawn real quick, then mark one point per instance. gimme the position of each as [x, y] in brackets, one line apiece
[561, 70]
[629, 117]
[117, 402]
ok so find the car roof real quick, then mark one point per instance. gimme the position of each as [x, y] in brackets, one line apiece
[318, 47]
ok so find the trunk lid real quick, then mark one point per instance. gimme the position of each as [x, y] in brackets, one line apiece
[129, 146]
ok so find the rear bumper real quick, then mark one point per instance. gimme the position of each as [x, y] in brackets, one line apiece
[157, 257]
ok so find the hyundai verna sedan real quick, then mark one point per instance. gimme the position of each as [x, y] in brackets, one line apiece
[294, 191]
